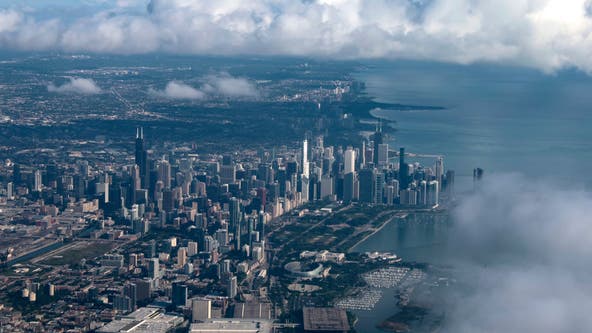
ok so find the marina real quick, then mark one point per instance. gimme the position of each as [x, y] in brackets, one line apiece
[377, 280]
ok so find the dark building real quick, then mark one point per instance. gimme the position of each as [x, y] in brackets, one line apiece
[403, 170]
[367, 179]
[130, 290]
[325, 320]
[122, 303]
[141, 154]
[477, 176]
[235, 217]
[378, 140]
[349, 186]
[291, 168]
[16, 174]
[179, 294]
[449, 182]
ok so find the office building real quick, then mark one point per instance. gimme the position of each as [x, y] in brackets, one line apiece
[38, 186]
[10, 190]
[179, 294]
[367, 181]
[379, 187]
[232, 287]
[382, 156]
[201, 309]
[403, 170]
[433, 193]
[439, 169]
[235, 221]
[181, 256]
[349, 183]
[349, 164]
[305, 165]
[153, 268]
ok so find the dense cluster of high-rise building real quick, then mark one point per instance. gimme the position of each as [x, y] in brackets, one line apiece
[211, 213]
[367, 174]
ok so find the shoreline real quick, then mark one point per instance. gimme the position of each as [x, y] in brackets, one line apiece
[372, 233]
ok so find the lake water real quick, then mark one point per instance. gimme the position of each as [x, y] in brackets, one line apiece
[498, 118]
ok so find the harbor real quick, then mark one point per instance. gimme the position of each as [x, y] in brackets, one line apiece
[396, 278]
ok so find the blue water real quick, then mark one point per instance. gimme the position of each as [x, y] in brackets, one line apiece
[501, 119]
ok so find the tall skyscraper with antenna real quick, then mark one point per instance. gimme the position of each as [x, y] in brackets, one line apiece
[378, 140]
[141, 154]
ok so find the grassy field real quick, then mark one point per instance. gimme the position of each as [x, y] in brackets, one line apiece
[81, 250]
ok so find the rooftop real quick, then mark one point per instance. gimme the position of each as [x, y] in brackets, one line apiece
[325, 319]
[232, 325]
[143, 320]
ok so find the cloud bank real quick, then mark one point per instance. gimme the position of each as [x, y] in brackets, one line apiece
[178, 90]
[546, 34]
[527, 264]
[222, 84]
[76, 86]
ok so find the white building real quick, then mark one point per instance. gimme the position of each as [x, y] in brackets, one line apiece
[350, 161]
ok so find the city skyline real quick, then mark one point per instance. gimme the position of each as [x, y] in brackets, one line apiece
[295, 166]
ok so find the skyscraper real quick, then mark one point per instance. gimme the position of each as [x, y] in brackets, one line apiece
[382, 154]
[153, 268]
[349, 186]
[377, 142]
[390, 194]
[164, 173]
[403, 170]
[305, 165]
[130, 290]
[235, 216]
[423, 193]
[141, 155]
[367, 179]
[350, 161]
[136, 182]
[179, 294]
[363, 155]
[433, 190]
[38, 181]
[16, 174]
[228, 173]
[10, 190]
[378, 187]
[327, 186]
[450, 182]
[439, 169]
[181, 256]
[232, 287]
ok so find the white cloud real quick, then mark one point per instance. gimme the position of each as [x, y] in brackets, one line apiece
[9, 20]
[179, 90]
[526, 249]
[76, 86]
[226, 85]
[547, 34]
[222, 84]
